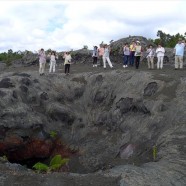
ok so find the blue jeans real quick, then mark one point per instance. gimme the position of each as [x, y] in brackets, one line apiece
[132, 58]
[125, 59]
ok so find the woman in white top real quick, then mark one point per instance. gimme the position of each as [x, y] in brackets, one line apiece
[160, 51]
[53, 58]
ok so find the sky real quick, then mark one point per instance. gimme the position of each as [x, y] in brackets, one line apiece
[66, 25]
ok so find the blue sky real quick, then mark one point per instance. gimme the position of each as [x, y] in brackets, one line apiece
[65, 25]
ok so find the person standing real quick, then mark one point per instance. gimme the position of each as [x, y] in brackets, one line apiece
[179, 52]
[42, 61]
[126, 52]
[53, 58]
[67, 62]
[150, 57]
[132, 52]
[101, 52]
[106, 56]
[160, 51]
[138, 54]
[95, 56]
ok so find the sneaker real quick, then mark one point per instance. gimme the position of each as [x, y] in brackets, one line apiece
[123, 66]
[126, 66]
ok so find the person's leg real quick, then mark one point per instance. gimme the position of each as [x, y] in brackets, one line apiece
[152, 62]
[176, 62]
[43, 67]
[96, 61]
[40, 68]
[54, 66]
[137, 61]
[109, 62]
[93, 61]
[148, 61]
[131, 58]
[124, 59]
[161, 62]
[181, 61]
[66, 68]
[51, 66]
[127, 61]
[158, 63]
[104, 62]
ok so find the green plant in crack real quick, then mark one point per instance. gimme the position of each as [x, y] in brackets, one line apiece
[55, 164]
[53, 134]
[154, 151]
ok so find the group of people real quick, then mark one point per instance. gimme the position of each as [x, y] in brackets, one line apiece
[133, 52]
[53, 57]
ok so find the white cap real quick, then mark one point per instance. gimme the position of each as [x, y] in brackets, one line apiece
[137, 41]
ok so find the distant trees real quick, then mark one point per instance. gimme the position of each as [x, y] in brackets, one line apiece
[168, 40]
[9, 56]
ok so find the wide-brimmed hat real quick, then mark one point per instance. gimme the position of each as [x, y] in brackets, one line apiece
[137, 41]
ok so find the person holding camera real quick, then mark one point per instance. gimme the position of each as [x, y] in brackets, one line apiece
[106, 56]
[53, 56]
[67, 62]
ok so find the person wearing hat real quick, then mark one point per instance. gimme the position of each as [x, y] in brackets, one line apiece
[138, 53]
[160, 51]
[95, 56]
[42, 61]
[179, 52]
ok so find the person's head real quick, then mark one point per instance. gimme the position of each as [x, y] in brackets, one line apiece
[95, 47]
[180, 40]
[138, 42]
[42, 49]
[105, 46]
[150, 46]
[126, 44]
[52, 53]
[67, 53]
[159, 45]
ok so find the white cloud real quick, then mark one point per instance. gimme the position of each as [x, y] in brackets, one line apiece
[64, 25]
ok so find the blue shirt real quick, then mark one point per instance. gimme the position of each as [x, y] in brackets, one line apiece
[179, 49]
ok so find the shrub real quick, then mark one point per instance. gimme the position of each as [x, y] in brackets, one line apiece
[55, 164]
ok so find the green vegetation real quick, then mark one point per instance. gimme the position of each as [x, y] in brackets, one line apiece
[154, 151]
[53, 134]
[10, 56]
[168, 40]
[55, 164]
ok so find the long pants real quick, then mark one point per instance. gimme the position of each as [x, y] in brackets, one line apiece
[95, 59]
[150, 61]
[125, 59]
[108, 60]
[67, 68]
[101, 60]
[160, 62]
[178, 61]
[132, 58]
[41, 67]
[52, 66]
[137, 60]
